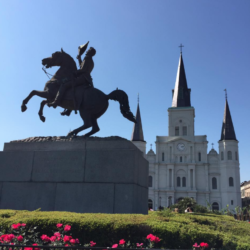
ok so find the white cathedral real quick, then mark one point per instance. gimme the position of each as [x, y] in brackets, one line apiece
[181, 166]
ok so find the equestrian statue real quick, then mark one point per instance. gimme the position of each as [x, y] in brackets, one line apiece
[73, 89]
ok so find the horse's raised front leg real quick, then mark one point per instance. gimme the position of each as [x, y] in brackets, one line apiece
[40, 113]
[43, 94]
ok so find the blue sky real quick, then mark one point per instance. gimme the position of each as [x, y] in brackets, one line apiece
[137, 51]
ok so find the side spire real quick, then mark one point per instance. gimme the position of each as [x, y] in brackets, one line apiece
[227, 131]
[181, 92]
[137, 134]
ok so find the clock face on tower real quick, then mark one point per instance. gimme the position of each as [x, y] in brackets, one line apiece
[180, 146]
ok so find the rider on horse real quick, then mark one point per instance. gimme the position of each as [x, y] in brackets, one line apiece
[82, 76]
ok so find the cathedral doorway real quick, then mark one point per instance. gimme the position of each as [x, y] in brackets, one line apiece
[170, 201]
[150, 204]
[215, 206]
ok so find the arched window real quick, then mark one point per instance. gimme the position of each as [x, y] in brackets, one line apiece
[215, 206]
[184, 181]
[199, 156]
[236, 156]
[229, 155]
[222, 156]
[177, 131]
[231, 182]
[214, 183]
[162, 156]
[180, 158]
[178, 181]
[150, 181]
[150, 204]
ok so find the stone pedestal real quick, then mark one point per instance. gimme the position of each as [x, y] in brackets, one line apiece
[93, 175]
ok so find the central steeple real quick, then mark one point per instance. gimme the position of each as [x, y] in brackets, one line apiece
[181, 92]
[227, 131]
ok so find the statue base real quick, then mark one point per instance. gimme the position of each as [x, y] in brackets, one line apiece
[85, 175]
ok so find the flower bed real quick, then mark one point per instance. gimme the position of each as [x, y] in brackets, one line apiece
[21, 236]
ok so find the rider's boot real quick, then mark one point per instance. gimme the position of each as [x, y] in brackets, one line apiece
[58, 98]
[66, 112]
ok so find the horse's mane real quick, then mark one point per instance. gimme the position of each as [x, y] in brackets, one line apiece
[71, 62]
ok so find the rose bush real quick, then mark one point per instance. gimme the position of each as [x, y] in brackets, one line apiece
[60, 238]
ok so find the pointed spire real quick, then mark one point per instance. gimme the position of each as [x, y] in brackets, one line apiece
[137, 134]
[227, 132]
[181, 92]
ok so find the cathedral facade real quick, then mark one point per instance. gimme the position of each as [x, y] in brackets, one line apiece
[181, 166]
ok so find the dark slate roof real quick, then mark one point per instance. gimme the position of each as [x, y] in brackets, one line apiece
[227, 132]
[137, 134]
[181, 92]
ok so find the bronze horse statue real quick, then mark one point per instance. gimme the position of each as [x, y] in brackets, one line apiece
[91, 102]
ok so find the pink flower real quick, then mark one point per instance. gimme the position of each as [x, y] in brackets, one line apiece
[28, 248]
[10, 237]
[139, 245]
[77, 241]
[153, 238]
[72, 241]
[66, 245]
[20, 238]
[23, 224]
[196, 245]
[15, 226]
[115, 246]
[57, 234]
[122, 242]
[203, 244]
[67, 238]
[156, 239]
[45, 238]
[92, 243]
[67, 228]
[35, 244]
[59, 225]
[53, 238]
[149, 236]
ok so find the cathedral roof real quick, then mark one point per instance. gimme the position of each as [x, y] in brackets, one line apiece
[227, 131]
[181, 92]
[151, 152]
[137, 134]
[212, 152]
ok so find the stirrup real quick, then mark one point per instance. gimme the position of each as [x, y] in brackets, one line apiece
[54, 104]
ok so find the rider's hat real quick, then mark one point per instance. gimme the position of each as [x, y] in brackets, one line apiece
[82, 48]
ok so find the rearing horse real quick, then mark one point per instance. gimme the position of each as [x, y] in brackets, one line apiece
[91, 103]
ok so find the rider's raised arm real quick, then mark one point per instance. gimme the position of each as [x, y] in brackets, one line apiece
[79, 60]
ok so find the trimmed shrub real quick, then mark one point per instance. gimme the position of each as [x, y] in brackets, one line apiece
[175, 230]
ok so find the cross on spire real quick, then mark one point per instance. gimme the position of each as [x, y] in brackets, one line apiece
[181, 46]
[225, 93]
[212, 146]
[138, 99]
[151, 146]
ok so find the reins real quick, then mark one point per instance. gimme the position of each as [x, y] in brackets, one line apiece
[43, 68]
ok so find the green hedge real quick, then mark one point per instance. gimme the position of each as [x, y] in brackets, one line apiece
[178, 231]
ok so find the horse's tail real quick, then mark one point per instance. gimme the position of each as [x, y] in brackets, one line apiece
[122, 98]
